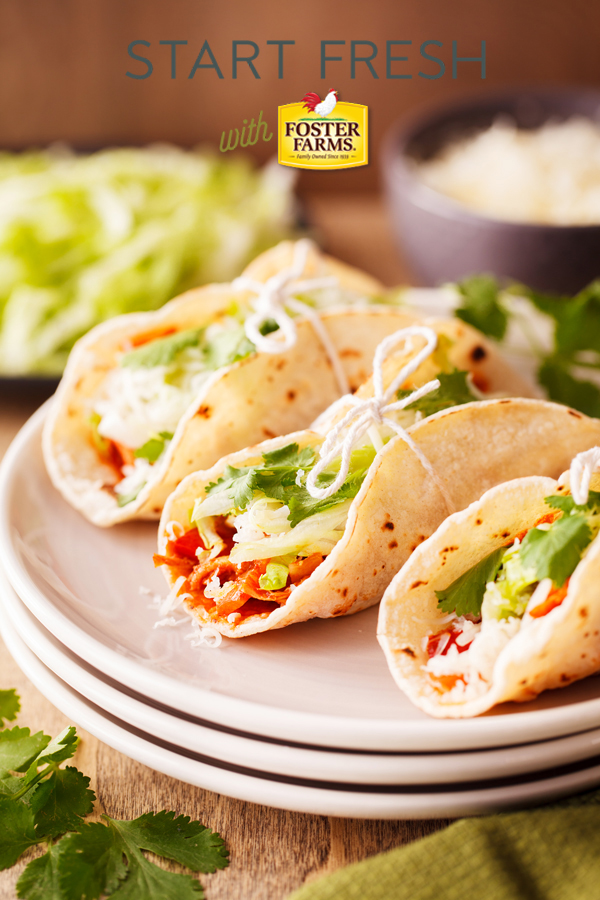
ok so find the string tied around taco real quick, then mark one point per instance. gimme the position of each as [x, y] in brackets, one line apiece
[582, 468]
[366, 413]
[278, 294]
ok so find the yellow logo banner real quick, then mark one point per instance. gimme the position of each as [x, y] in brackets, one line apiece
[311, 137]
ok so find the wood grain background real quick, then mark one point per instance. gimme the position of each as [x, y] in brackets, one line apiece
[63, 64]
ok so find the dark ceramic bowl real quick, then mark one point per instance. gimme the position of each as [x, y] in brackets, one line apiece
[444, 241]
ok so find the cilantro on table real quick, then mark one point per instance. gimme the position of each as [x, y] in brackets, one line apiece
[277, 478]
[465, 595]
[162, 351]
[454, 390]
[9, 705]
[569, 353]
[43, 803]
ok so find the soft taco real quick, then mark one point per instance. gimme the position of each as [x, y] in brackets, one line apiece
[468, 366]
[149, 397]
[309, 525]
[503, 601]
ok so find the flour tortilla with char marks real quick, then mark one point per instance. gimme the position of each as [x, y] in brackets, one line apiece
[465, 349]
[257, 397]
[472, 448]
[551, 651]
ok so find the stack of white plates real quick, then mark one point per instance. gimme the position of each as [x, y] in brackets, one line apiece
[306, 718]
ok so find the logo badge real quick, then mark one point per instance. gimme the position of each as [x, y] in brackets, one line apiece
[323, 134]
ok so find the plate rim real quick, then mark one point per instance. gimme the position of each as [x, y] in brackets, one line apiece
[290, 760]
[276, 722]
[281, 794]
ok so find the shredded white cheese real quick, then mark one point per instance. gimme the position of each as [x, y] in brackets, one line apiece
[545, 175]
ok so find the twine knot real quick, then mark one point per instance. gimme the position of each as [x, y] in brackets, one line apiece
[364, 413]
[278, 294]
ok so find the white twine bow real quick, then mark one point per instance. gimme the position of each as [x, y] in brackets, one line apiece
[365, 413]
[582, 468]
[277, 293]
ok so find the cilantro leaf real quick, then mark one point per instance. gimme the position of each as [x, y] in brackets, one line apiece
[556, 552]
[276, 478]
[18, 747]
[577, 318]
[302, 505]
[61, 801]
[17, 833]
[290, 455]
[465, 595]
[555, 375]
[277, 471]
[163, 351]
[178, 838]
[238, 484]
[10, 705]
[92, 861]
[454, 390]
[153, 448]
[58, 750]
[40, 879]
[481, 307]
[9, 785]
[567, 505]
[227, 347]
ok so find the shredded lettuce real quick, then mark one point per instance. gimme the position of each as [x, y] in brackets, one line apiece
[84, 238]
[274, 515]
[162, 351]
[155, 447]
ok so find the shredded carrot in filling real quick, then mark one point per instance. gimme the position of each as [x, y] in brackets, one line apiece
[547, 518]
[554, 599]
[153, 334]
[240, 588]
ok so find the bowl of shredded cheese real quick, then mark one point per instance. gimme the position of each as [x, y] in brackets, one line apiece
[502, 183]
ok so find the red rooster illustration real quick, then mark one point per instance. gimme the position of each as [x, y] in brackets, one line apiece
[322, 108]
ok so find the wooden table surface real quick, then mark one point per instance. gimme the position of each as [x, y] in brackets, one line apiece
[272, 851]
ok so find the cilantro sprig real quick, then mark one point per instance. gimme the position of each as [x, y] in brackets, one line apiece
[9, 705]
[454, 390]
[277, 478]
[43, 803]
[552, 552]
[571, 347]
[465, 595]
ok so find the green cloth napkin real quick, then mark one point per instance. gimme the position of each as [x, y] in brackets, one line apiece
[549, 853]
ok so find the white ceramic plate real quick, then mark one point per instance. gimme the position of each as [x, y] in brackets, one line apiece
[323, 682]
[331, 799]
[283, 759]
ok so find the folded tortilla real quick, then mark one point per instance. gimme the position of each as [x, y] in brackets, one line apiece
[460, 348]
[398, 506]
[510, 658]
[257, 397]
